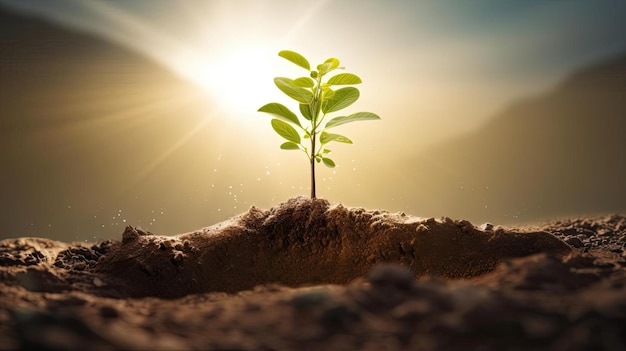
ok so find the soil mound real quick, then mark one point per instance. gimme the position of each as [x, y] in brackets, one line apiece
[433, 285]
[308, 242]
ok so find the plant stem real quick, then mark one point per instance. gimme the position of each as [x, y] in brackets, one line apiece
[316, 104]
[313, 165]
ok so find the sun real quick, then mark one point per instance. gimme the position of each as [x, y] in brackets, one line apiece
[239, 78]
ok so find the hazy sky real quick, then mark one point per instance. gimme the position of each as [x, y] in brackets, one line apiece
[448, 64]
[431, 69]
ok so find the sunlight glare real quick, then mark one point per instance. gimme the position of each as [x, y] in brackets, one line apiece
[239, 78]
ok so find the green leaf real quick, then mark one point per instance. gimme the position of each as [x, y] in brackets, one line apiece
[295, 58]
[305, 110]
[301, 95]
[359, 116]
[328, 66]
[342, 98]
[334, 63]
[344, 79]
[328, 92]
[286, 131]
[328, 162]
[304, 82]
[326, 138]
[281, 111]
[289, 146]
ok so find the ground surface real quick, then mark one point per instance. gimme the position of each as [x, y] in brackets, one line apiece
[309, 276]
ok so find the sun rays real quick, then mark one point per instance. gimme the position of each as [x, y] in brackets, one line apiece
[229, 53]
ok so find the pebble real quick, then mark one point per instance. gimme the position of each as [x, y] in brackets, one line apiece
[486, 227]
[575, 242]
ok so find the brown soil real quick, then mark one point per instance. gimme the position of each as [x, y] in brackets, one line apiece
[306, 276]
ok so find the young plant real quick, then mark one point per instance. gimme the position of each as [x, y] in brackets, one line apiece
[317, 98]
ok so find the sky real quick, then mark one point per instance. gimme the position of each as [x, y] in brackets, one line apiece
[436, 60]
[433, 70]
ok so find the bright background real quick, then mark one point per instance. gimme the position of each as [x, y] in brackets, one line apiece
[101, 139]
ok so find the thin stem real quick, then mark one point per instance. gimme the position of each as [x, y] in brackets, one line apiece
[315, 105]
[312, 160]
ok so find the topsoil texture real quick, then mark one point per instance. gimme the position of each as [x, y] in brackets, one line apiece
[306, 276]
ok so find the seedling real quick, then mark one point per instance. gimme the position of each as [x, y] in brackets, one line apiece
[316, 98]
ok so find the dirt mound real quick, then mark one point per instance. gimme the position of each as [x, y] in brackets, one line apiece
[523, 289]
[308, 242]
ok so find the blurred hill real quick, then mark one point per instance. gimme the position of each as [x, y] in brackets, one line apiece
[558, 154]
[94, 136]
[84, 125]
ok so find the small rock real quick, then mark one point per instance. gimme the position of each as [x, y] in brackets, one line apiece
[466, 226]
[486, 227]
[447, 220]
[575, 242]
[98, 282]
[178, 257]
[421, 228]
[130, 234]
